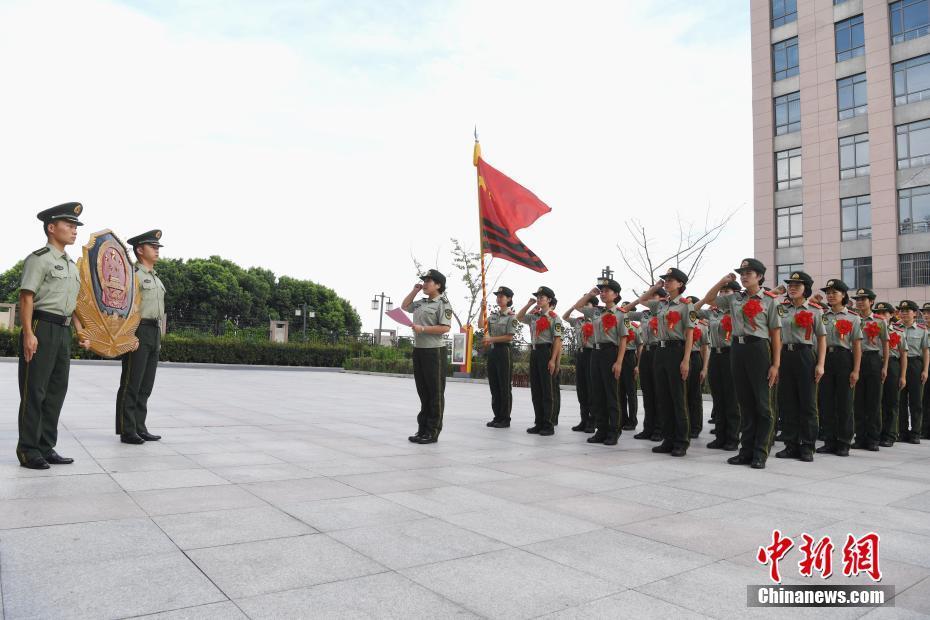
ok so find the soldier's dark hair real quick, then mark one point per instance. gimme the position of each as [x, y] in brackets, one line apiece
[45, 227]
[808, 291]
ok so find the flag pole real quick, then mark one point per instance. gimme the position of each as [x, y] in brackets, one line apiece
[476, 155]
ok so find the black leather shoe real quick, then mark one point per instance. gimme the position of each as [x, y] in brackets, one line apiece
[546, 432]
[502, 425]
[886, 443]
[610, 440]
[914, 439]
[758, 463]
[679, 451]
[842, 451]
[711, 420]
[825, 449]
[423, 439]
[713, 431]
[806, 455]
[730, 446]
[579, 428]
[598, 437]
[657, 436]
[871, 447]
[739, 459]
[533, 430]
[858, 445]
[643, 435]
[414, 438]
[35, 463]
[664, 448]
[53, 458]
[695, 434]
[149, 436]
[491, 424]
[716, 444]
[590, 429]
[134, 439]
[787, 453]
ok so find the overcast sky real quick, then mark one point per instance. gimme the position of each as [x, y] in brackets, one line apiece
[331, 140]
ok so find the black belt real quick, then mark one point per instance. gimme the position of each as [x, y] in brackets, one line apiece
[871, 352]
[604, 345]
[720, 350]
[747, 339]
[913, 357]
[540, 345]
[796, 346]
[150, 322]
[838, 349]
[670, 343]
[649, 347]
[51, 317]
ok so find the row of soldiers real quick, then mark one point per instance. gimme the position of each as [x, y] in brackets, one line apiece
[47, 299]
[837, 374]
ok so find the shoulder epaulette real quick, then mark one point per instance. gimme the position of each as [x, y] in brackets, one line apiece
[771, 294]
[553, 314]
[815, 304]
[41, 251]
[921, 326]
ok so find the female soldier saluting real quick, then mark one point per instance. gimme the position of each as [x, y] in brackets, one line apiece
[546, 343]
[502, 325]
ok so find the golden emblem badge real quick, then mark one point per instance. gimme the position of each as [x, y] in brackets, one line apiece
[108, 301]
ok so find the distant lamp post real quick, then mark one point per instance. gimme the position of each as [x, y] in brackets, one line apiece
[302, 311]
[378, 301]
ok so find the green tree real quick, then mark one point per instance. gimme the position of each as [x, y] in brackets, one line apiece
[9, 283]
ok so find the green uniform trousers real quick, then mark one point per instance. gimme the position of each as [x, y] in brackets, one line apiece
[43, 383]
[835, 398]
[629, 403]
[500, 372]
[583, 385]
[797, 396]
[695, 395]
[542, 386]
[671, 401]
[429, 374]
[868, 399]
[136, 381]
[723, 393]
[647, 382]
[605, 390]
[890, 396]
[910, 406]
[750, 362]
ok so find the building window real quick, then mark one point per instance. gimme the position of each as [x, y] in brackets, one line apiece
[788, 169]
[789, 226]
[785, 58]
[856, 218]
[912, 80]
[784, 12]
[857, 272]
[854, 156]
[783, 272]
[788, 113]
[914, 210]
[913, 141]
[851, 96]
[914, 269]
[909, 19]
[850, 38]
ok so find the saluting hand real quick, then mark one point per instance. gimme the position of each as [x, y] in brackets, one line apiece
[30, 344]
[727, 279]
[594, 292]
[417, 287]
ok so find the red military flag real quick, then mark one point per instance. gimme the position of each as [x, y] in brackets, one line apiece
[506, 207]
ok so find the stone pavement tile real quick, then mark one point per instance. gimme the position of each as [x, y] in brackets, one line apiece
[667, 498]
[894, 544]
[902, 519]
[915, 598]
[521, 524]
[526, 490]
[81, 465]
[346, 467]
[889, 479]
[601, 461]
[603, 509]
[115, 449]
[509, 584]
[894, 613]
[468, 474]
[622, 559]
[411, 543]
[522, 467]
[919, 501]
[263, 473]
[748, 515]
[146, 463]
[801, 501]
[215, 446]
[233, 459]
[254, 568]
[80, 542]
[119, 588]
[728, 486]
[168, 479]
[415, 461]
[440, 501]
[628, 604]
[35, 512]
[57, 486]
[280, 492]
[867, 495]
[386, 595]
[195, 499]
[349, 512]
[391, 481]
[588, 481]
[213, 611]
[224, 527]
[707, 535]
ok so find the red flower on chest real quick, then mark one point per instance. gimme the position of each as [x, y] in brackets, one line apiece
[727, 323]
[587, 330]
[805, 319]
[608, 322]
[894, 340]
[843, 327]
[672, 318]
[872, 330]
[697, 335]
[542, 324]
[752, 309]
[654, 325]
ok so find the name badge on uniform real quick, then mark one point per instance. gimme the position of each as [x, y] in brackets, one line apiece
[147, 281]
[449, 314]
[782, 311]
[694, 316]
[59, 268]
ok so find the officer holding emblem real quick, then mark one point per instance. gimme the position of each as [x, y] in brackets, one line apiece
[873, 371]
[47, 298]
[138, 374]
[546, 349]
[502, 325]
[918, 359]
[432, 318]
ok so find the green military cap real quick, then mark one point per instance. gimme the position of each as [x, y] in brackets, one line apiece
[545, 290]
[751, 264]
[503, 290]
[435, 276]
[613, 285]
[883, 306]
[799, 277]
[68, 211]
[152, 237]
[907, 304]
[925, 307]
[836, 285]
[693, 299]
[867, 293]
[676, 274]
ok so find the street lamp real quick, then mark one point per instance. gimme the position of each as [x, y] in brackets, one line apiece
[384, 307]
[302, 311]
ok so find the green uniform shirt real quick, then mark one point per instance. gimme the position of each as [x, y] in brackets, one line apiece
[152, 301]
[793, 319]
[614, 319]
[898, 330]
[502, 323]
[916, 339]
[634, 337]
[647, 336]
[430, 312]
[578, 324]
[548, 330]
[53, 279]
[717, 337]
[751, 315]
[675, 316]
[700, 339]
[876, 342]
[834, 338]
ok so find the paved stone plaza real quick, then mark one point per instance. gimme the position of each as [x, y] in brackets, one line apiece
[280, 494]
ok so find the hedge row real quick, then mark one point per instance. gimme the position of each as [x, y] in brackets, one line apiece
[224, 351]
[479, 371]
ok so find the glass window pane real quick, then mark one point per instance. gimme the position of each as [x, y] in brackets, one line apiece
[862, 153]
[865, 216]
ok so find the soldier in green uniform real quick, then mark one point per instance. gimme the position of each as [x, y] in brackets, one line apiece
[872, 373]
[895, 378]
[755, 357]
[649, 331]
[546, 349]
[583, 330]
[47, 298]
[610, 336]
[138, 375]
[700, 358]
[675, 319]
[841, 370]
[432, 318]
[720, 376]
[918, 359]
[629, 402]
[804, 350]
[925, 431]
[502, 326]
